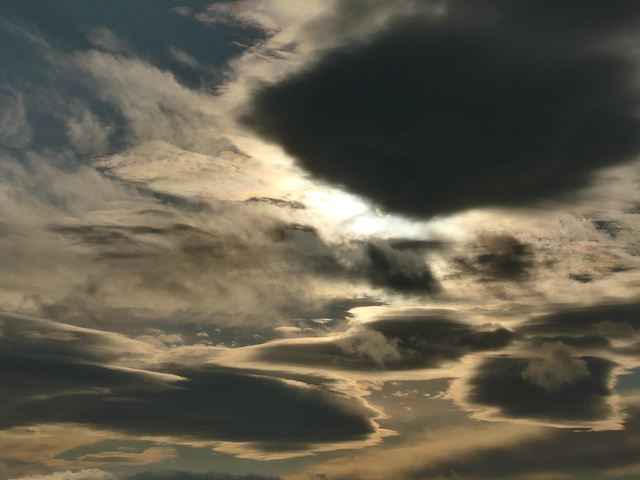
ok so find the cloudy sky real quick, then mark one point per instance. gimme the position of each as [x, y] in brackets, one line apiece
[319, 240]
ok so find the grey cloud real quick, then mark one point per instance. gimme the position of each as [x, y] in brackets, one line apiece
[21, 334]
[405, 119]
[499, 257]
[559, 388]
[394, 342]
[609, 329]
[51, 92]
[581, 342]
[609, 320]
[561, 372]
[86, 250]
[398, 266]
[178, 475]
[14, 128]
[221, 267]
[212, 406]
[48, 378]
[562, 452]
[398, 270]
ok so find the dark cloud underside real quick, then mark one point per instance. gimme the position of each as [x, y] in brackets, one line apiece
[47, 378]
[397, 270]
[392, 344]
[433, 117]
[613, 321]
[210, 406]
[561, 389]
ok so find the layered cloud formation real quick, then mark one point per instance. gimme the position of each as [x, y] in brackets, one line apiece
[319, 240]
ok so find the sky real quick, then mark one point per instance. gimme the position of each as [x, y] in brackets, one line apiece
[319, 240]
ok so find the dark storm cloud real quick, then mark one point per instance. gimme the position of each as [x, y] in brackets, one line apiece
[499, 257]
[178, 475]
[487, 105]
[47, 378]
[561, 452]
[558, 388]
[393, 343]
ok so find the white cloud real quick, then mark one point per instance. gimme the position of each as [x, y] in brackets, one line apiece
[153, 102]
[90, 474]
[14, 128]
[556, 367]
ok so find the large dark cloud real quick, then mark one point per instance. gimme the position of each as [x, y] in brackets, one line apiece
[46, 383]
[393, 343]
[210, 405]
[556, 388]
[488, 105]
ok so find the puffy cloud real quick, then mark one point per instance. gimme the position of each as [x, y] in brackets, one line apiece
[397, 341]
